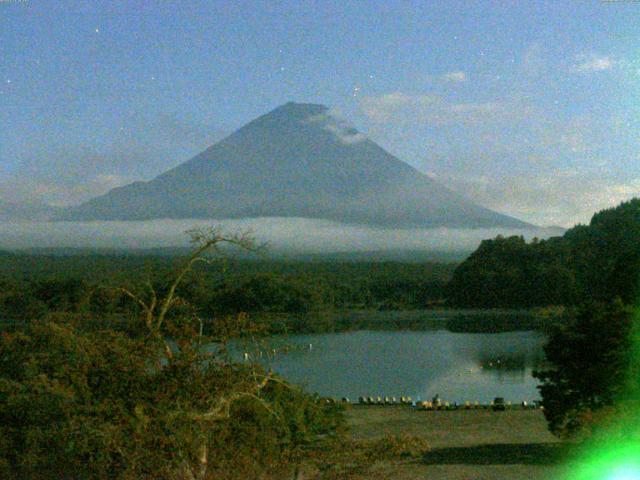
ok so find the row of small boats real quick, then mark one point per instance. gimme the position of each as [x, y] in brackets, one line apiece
[436, 403]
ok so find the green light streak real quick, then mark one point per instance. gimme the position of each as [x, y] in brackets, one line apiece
[614, 454]
[615, 461]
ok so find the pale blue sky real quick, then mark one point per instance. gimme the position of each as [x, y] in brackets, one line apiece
[530, 108]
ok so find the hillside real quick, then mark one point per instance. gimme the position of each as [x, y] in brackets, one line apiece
[599, 261]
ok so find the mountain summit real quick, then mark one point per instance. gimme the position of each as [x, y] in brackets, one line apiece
[295, 161]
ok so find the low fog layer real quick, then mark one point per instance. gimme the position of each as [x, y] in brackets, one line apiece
[298, 235]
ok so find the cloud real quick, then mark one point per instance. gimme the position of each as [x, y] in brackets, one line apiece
[436, 110]
[66, 173]
[558, 197]
[455, 76]
[580, 134]
[61, 191]
[593, 63]
[334, 123]
[281, 234]
[534, 62]
[346, 135]
[383, 107]
[511, 144]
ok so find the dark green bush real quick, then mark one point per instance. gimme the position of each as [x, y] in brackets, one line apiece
[100, 404]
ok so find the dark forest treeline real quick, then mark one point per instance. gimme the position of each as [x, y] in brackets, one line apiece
[599, 262]
[33, 285]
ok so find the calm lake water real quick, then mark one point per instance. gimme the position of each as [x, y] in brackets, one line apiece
[457, 366]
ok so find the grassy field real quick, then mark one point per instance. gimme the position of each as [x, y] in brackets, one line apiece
[463, 445]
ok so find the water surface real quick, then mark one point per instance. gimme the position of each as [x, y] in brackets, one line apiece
[420, 364]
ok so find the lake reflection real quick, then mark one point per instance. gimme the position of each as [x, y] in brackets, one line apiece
[457, 366]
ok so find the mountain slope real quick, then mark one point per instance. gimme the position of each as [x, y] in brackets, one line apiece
[296, 161]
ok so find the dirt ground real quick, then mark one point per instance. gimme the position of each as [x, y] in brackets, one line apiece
[464, 445]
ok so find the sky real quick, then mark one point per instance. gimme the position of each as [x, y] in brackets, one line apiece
[529, 108]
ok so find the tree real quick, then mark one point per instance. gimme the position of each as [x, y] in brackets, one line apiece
[598, 261]
[589, 359]
[167, 404]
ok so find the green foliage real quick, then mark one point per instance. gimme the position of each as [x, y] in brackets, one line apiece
[266, 293]
[589, 358]
[398, 446]
[66, 401]
[148, 402]
[33, 286]
[589, 352]
[600, 261]
[96, 404]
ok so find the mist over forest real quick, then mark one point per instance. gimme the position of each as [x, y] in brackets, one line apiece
[282, 235]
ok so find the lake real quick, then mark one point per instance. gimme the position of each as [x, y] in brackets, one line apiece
[420, 364]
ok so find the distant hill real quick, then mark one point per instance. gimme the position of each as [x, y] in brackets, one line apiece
[599, 261]
[295, 161]
[10, 211]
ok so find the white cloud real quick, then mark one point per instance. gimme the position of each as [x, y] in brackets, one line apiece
[66, 172]
[593, 63]
[436, 110]
[280, 234]
[383, 107]
[345, 134]
[332, 122]
[59, 192]
[458, 76]
[561, 197]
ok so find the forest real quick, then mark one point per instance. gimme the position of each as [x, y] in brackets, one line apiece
[599, 261]
[33, 285]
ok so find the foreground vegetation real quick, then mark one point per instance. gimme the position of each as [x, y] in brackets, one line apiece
[78, 401]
